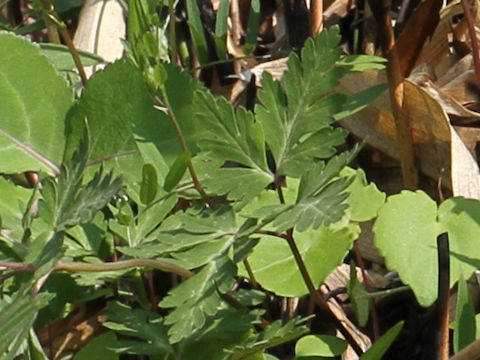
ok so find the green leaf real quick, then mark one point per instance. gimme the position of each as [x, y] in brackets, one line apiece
[145, 328]
[225, 330]
[62, 59]
[117, 107]
[408, 225]
[363, 62]
[252, 27]
[405, 229]
[221, 28]
[380, 346]
[465, 326]
[461, 219]
[359, 297]
[322, 250]
[35, 100]
[364, 199]
[300, 106]
[12, 207]
[149, 186]
[197, 298]
[177, 170]
[16, 318]
[320, 201]
[183, 87]
[98, 348]
[360, 100]
[320, 345]
[233, 135]
[196, 30]
[275, 334]
[66, 202]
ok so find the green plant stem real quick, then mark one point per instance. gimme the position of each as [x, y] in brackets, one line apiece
[73, 266]
[387, 292]
[183, 144]
[66, 38]
[250, 273]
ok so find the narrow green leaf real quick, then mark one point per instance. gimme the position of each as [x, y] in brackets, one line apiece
[360, 101]
[379, 348]
[221, 23]
[363, 62]
[62, 59]
[196, 30]
[359, 297]
[177, 170]
[465, 326]
[320, 345]
[252, 27]
[35, 100]
[149, 186]
[221, 29]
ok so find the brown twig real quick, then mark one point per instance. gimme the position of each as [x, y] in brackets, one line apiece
[473, 39]
[316, 17]
[397, 99]
[442, 330]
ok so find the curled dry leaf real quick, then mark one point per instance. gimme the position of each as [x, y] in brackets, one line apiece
[441, 154]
